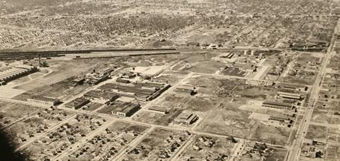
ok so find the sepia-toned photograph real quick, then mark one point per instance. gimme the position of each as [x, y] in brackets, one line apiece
[170, 80]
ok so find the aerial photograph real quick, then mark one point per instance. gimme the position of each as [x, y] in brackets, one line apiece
[170, 80]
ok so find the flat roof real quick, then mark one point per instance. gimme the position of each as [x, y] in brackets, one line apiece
[123, 107]
[100, 94]
[43, 98]
[282, 104]
[289, 94]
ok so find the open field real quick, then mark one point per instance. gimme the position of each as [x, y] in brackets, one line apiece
[11, 112]
[272, 135]
[317, 132]
[227, 122]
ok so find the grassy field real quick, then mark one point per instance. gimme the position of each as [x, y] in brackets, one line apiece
[227, 122]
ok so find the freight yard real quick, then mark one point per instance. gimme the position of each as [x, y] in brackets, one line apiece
[171, 80]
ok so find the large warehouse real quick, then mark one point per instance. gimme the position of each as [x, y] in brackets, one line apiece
[15, 72]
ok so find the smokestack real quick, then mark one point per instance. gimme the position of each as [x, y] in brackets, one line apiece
[39, 60]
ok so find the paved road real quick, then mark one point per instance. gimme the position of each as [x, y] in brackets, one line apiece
[132, 145]
[188, 142]
[302, 130]
[237, 150]
[44, 134]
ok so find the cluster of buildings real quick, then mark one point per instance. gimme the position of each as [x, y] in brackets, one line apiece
[284, 121]
[145, 91]
[258, 151]
[101, 96]
[313, 149]
[243, 62]
[287, 101]
[204, 143]
[94, 77]
[10, 74]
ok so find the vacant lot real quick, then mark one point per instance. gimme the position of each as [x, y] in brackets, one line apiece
[227, 122]
[317, 132]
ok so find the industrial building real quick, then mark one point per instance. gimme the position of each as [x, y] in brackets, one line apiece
[140, 91]
[159, 109]
[101, 96]
[277, 105]
[78, 81]
[121, 80]
[78, 103]
[309, 46]
[125, 109]
[44, 100]
[186, 118]
[15, 72]
[158, 92]
[292, 87]
[96, 77]
[286, 95]
[128, 75]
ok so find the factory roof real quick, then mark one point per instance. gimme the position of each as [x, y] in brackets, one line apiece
[279, 104]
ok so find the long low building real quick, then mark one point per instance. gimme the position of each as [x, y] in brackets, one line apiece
[277, 105]
[286, 95]
[15, 72]
[125, 109]
[140, 91]
[292, 87]
[77, 103]
[44, 100]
